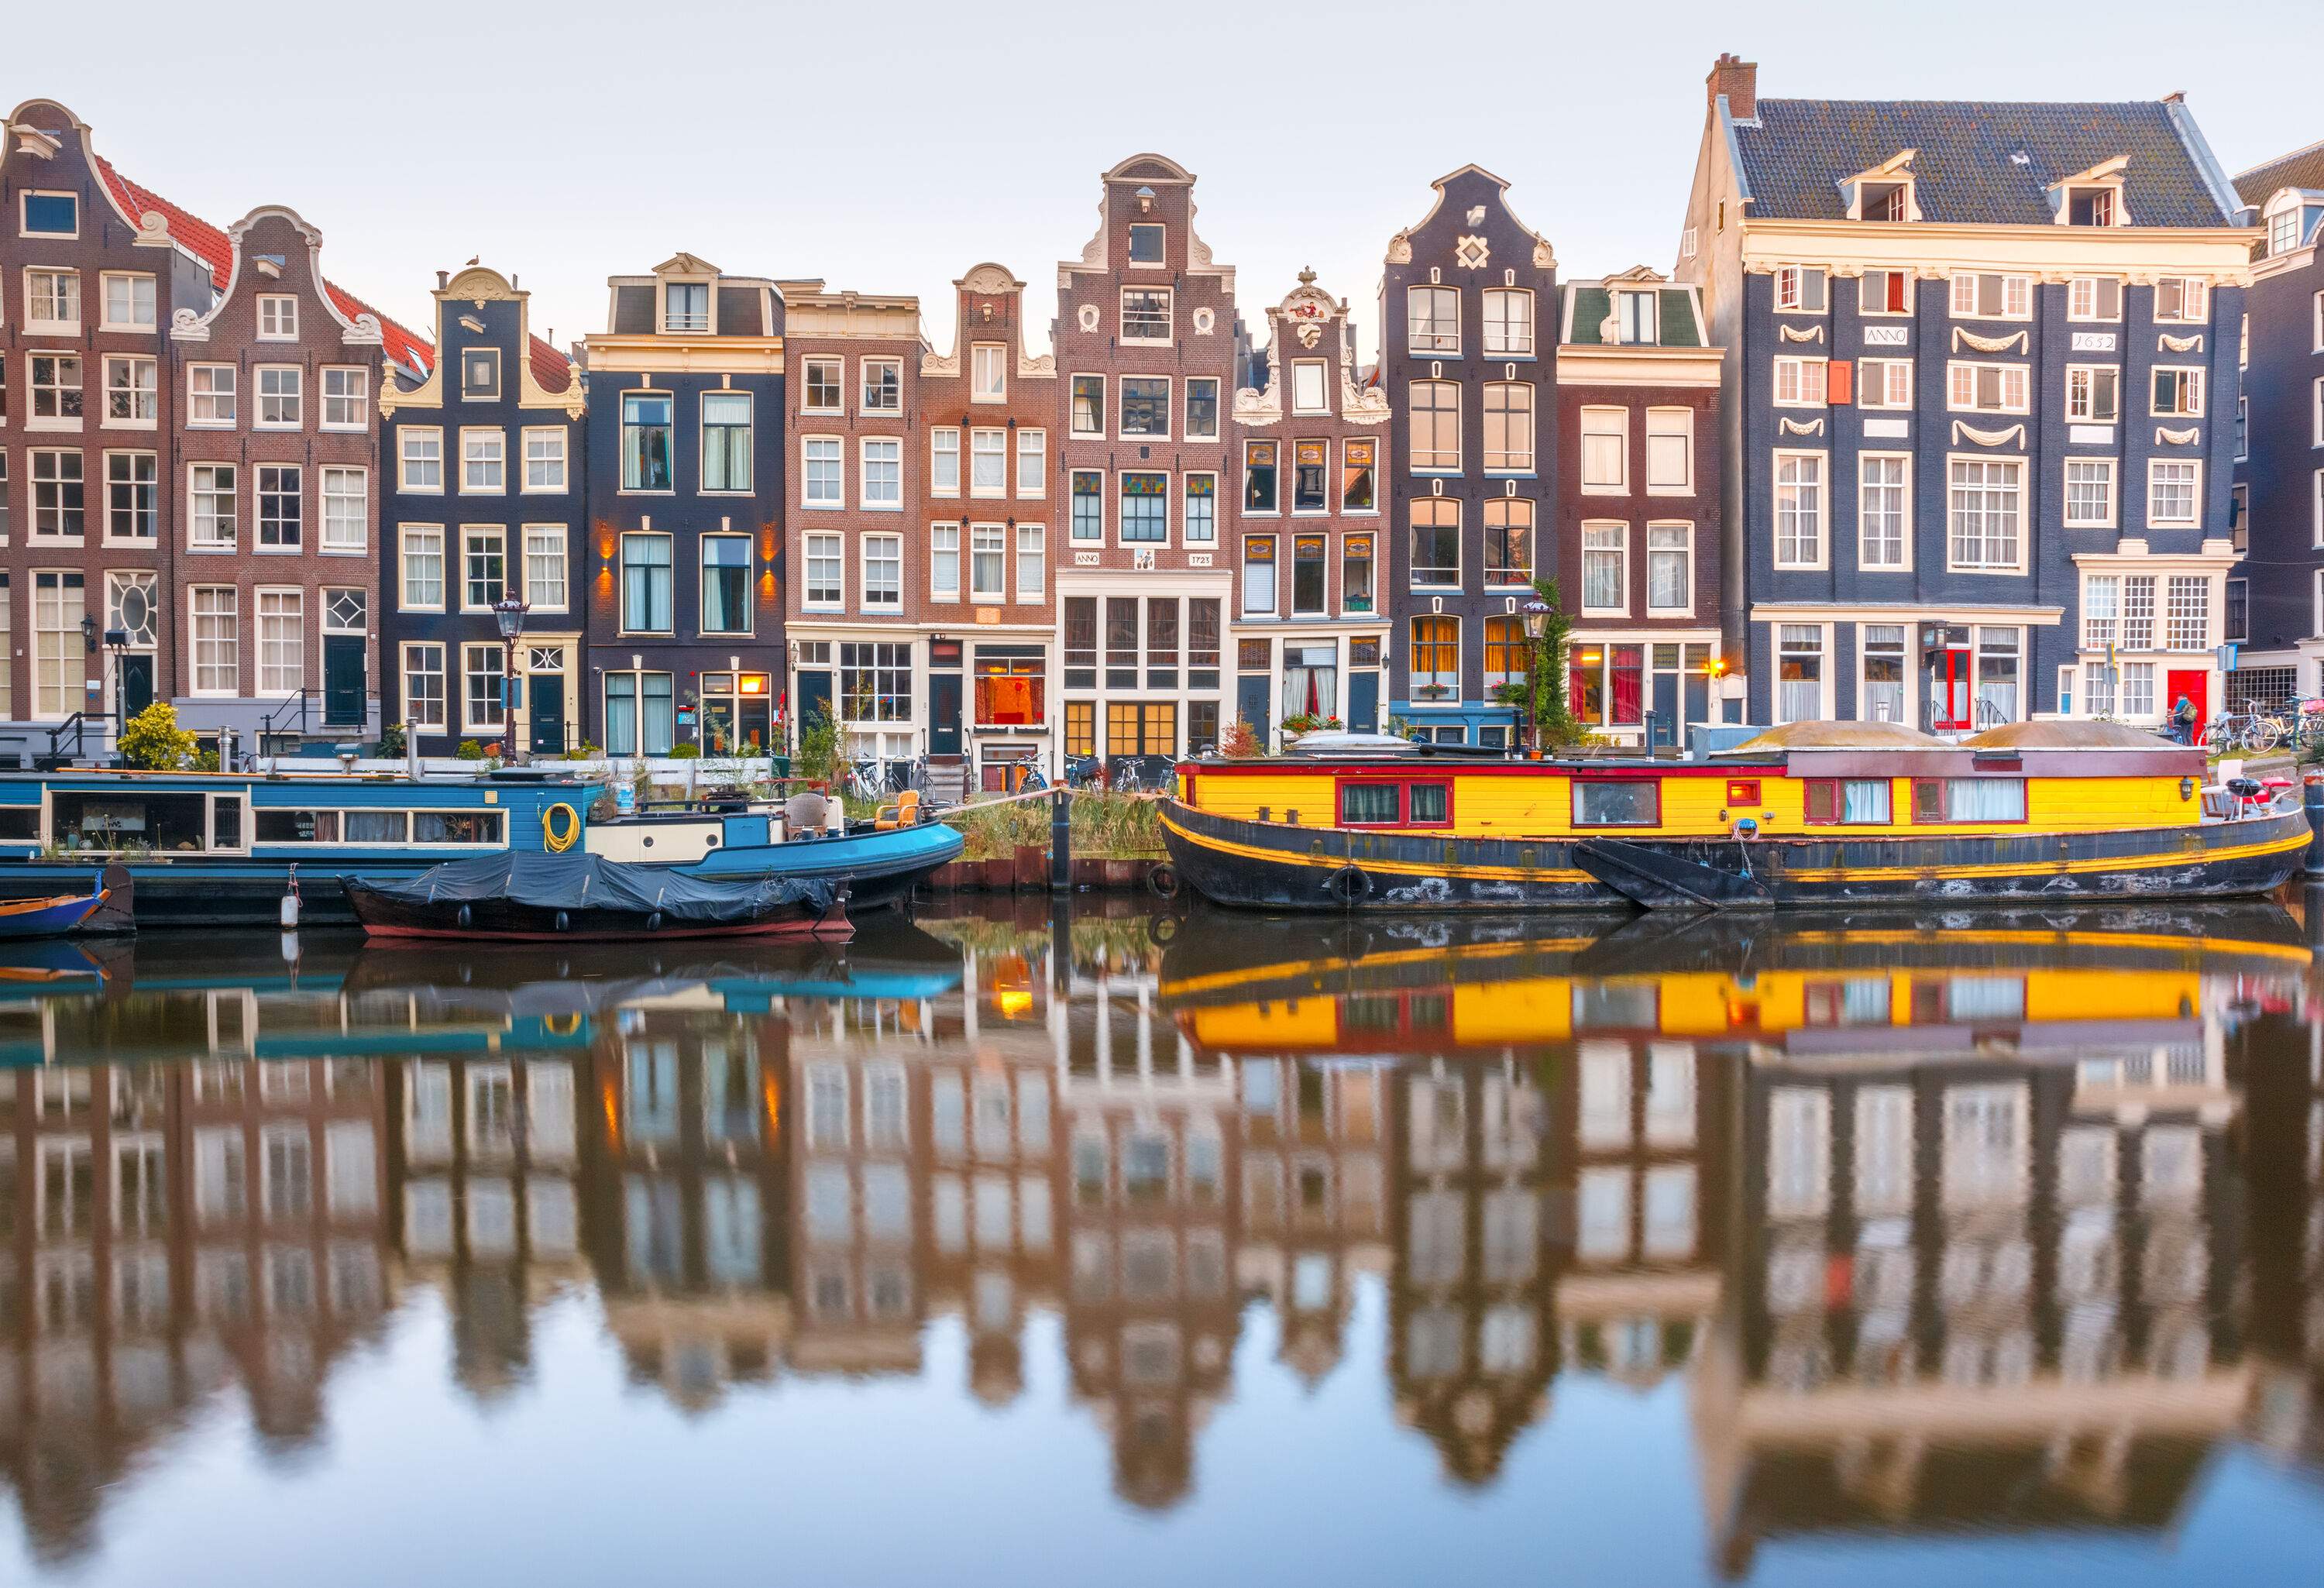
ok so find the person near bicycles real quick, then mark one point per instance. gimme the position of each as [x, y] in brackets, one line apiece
[2182, 721]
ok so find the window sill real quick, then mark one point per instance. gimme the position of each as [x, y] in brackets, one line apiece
[54, 427]
[204, 551]
[399, 490]
[345, 430]
[820, 506]
[128, 424]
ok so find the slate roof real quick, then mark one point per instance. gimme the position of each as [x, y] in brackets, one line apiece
[2303, 168]
[216, 249]
[1676, 326]
[1796, 152]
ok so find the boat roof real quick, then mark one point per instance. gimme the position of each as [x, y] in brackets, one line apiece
[1831, 735]
[2076, 735]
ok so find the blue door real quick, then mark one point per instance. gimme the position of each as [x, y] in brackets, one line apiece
[1251, 703]
[1363, 703]
[1665, 709]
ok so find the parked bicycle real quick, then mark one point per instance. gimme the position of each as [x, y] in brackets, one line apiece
[2247, 730]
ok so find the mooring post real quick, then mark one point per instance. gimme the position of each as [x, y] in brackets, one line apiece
[2311, 791]
[1061, 840]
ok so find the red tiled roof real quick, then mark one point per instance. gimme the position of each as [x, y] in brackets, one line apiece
[214, 248]
[552, 369]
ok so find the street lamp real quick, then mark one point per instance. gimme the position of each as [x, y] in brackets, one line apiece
[509, 613]
[1536, 624]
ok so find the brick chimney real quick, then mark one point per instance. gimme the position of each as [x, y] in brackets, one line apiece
[1738, 80]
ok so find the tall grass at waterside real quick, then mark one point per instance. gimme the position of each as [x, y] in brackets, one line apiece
[1120, 827]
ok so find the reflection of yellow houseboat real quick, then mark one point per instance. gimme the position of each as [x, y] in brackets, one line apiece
[1810, 813]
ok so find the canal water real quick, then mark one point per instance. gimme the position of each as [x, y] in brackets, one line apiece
[1134, 1247]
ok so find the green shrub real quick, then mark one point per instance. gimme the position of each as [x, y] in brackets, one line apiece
[684, 751]
[391, 742]
[153, 741]
[469, 750]
[818, 755]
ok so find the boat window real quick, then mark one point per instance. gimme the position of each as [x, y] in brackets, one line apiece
[169, 824]
[1859, 801]
[1968, 800]
[226, 821]
[20, 823]
[1742, 790]
[1632, 803]
[1431, 803]
[455, 826]
[376, 826]
[298, 826]
[1369, 804]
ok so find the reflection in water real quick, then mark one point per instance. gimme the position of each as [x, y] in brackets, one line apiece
[1999, 1227]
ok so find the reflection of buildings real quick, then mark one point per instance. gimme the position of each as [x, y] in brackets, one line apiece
[685, 1209]
[168, 1228]
[1987, 1272]
[2284, 1072]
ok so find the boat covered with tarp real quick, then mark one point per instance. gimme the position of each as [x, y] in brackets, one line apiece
[529, 897]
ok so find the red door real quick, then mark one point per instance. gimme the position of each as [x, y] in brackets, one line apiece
[2190, 685]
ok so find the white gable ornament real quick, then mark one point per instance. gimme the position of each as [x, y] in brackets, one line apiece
[2186, 438]
[2014, 434]
[1793, 427]
[2182, 344]
[1990, 344]
[1472, 252]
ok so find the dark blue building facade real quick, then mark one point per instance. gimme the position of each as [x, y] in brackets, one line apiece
[685, 560]
[483, 499]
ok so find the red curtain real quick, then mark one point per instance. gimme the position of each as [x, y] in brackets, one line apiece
[1629, 683]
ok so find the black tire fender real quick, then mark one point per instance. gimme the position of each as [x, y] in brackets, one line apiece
[1347, 886]
[1162, 882]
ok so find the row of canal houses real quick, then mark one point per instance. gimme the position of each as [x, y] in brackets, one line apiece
[1940, 416]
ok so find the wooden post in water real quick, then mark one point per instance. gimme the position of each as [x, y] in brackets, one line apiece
[1061, 840]
[2311, 791]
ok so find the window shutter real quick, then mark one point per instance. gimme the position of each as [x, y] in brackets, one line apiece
[1823, 798]
[1928, 799]
[1841, 376]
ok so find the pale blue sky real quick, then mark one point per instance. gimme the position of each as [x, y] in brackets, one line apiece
[890, 147]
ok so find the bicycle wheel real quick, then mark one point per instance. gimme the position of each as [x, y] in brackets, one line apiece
[2259, 734]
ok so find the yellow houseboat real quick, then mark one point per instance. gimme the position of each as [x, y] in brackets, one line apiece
[1827, 814]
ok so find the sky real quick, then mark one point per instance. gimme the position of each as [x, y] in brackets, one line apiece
[890, 147]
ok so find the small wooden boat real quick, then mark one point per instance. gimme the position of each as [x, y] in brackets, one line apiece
[49, 918]
[1853, 815]
[527, 898]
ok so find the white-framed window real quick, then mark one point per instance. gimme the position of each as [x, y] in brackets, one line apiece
[944, 461]
[132, 488]
[423, 687]
[2174, 494]
[883, 486]
[484, 461]
[649, 583]
[483, 566]
[2090, 492]
[823, 385]
[419, 456]
[282, 643]
[1508, 427]
[883, 386]
[56, 385]
[1146, 406]
[1801, 289]
[129, 303]
[825, 589]
[1884, 511]
[1635, 322]
[943, 562]
[2093, 393]
[2187, 614]
[544, 457]
[1086, 417]
[1508, 322]
[420, 556]
[1670, 451]
[1435, 411]
[1986, 508]
[1605, 568]
[988, 463]
[278, 317]
[1433, 319]
[484, 693]
[1307, 392]
[823, 481]
[1605, 451]
[1259, 578]
[1884, 382]
[48, 214]
[52, 300]
[1670, 569]
[1985, 388]
[1032, 463]
[987, 567]
[686, 306]
[58, 486]
[281, 396]
[346, 397]
[1032, 562]
[1148, 243]
[1145, 314]
[132, 394]
[884, 573]
[1202, 408]
[217, 639]
[2316, 505]
[1799, 672]
[2101, 610]
[1800, 383]
[1884, 293]
[2182, 300]
[210, 524]
[1988, 295]
[545, 574]
[479, 374]
[347, 502]
[2178, 391]
[988, 372]
[129, 596]
[2137, 610]
[2094, 298]
[1883, 686]
[1201, 506]
[210, 395]
[1799, 509]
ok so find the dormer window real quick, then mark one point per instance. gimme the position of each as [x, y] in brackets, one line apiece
[2092, 198]
[1634, 318]
[1885, 192]
[1146, 242]
[686, 306]
[1887, 201]
[2282, 232]
[2092, 207]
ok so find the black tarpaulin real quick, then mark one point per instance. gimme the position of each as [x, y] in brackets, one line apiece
[589, 881]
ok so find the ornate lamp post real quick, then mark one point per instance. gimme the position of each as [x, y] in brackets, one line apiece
[509, 613]
[1536, 624]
